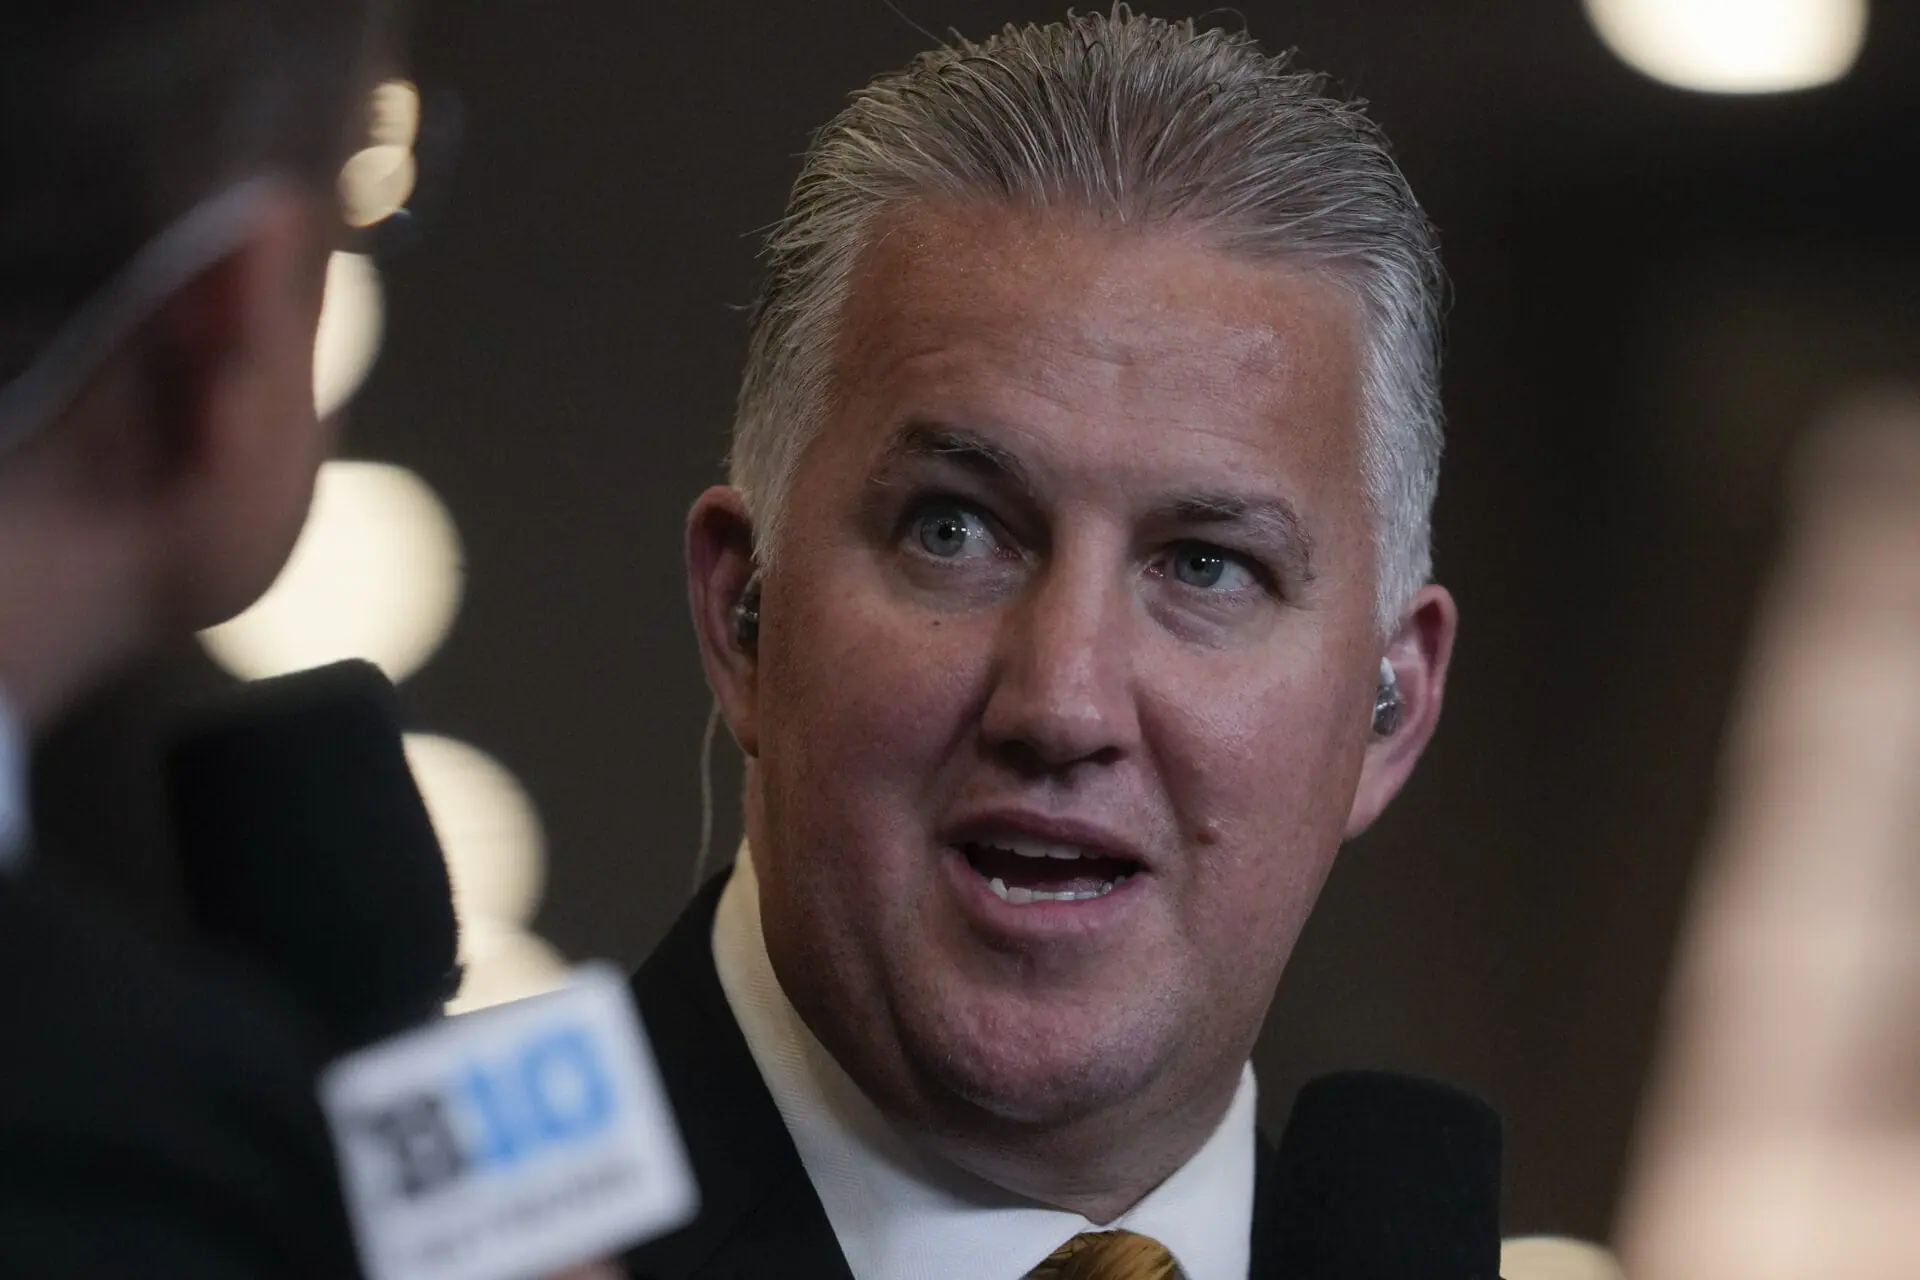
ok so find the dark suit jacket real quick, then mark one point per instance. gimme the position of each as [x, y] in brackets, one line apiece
[157, 1117]
[759, 1215]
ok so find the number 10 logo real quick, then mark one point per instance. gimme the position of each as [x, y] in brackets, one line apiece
[552, 1092]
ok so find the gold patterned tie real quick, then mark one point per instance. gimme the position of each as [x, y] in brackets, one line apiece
[1108, 1255]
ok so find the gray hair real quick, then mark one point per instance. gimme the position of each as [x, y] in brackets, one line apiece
[1145, 122]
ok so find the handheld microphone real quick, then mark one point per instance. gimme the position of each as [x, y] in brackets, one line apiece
[306, 848]
[515, 1141]
[1387, 1177]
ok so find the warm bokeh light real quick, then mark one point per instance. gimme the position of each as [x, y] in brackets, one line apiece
[1556, 1258]
[376, 574]
[490, 835]
[352, 321]
[396, 114]
[487, 826]
[376, 183]
[1735, 46]
[505, 964]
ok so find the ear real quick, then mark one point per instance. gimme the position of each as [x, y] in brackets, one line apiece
[234, 441]
[720, 564]
[1420, 652]
[222, 351]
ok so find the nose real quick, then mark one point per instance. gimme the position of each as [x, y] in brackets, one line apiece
[1063, 692]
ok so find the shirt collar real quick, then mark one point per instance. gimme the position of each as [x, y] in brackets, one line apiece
[13, 789]
[899, 1211]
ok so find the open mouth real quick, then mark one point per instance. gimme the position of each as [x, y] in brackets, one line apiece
[1027, 871]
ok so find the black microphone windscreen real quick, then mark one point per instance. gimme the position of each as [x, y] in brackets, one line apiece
[305, 846]
[1387, 1177]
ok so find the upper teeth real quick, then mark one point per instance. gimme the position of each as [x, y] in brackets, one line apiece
[1039, 849]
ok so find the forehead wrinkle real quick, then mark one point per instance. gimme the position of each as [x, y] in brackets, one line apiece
[1051, 334]
[1081, 308]
[1096, 304]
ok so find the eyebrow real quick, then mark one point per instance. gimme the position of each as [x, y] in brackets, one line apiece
[1272, 522]
[932, 441]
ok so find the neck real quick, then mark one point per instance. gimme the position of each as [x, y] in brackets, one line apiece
[69, 613]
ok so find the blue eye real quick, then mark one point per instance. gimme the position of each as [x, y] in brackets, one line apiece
[1205, 568]
[944, 530]
[1199, 566]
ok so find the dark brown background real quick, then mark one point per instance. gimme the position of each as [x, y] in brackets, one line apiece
[1656, 291]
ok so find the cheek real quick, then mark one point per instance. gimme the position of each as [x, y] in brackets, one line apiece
[863, 714]
[1262, 781]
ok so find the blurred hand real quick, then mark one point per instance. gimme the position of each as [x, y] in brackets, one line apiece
[1783, 1137]
[596, 1271]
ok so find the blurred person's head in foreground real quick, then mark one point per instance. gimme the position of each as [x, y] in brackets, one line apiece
[168, 208]
[1080, 483]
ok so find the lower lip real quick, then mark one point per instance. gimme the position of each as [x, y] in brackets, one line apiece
[1051, 919]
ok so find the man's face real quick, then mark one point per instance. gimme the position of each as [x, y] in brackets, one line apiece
[1067, 661]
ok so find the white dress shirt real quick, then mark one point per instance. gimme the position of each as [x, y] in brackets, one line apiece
[13, 789]
[902, 1213]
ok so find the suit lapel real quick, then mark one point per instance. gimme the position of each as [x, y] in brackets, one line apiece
[1263, 1261]
[759, 1214]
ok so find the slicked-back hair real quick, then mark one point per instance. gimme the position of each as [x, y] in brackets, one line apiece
[117, 116]
[1137, 122]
